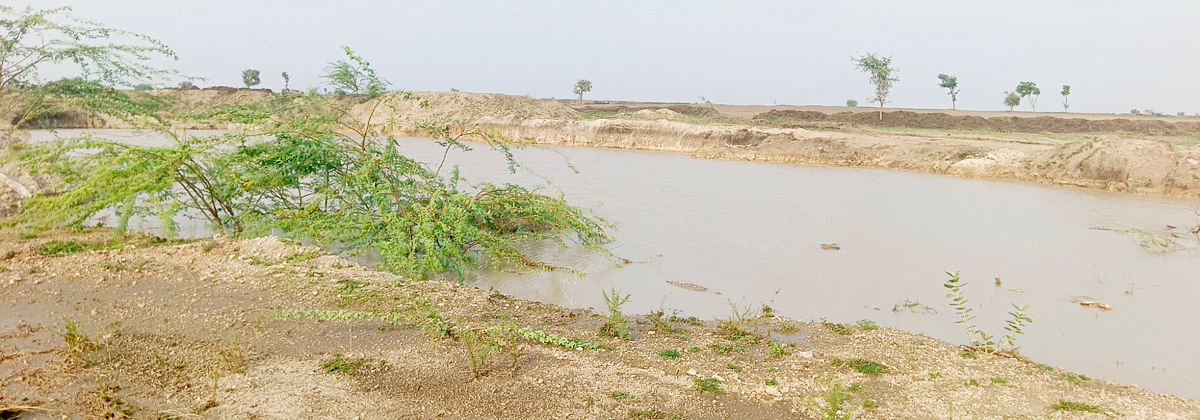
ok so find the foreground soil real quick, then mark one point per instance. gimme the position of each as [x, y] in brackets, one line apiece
[219, 329]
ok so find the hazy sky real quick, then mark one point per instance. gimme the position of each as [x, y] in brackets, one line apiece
[1116, 55]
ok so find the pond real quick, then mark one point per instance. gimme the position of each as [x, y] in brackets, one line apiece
[750, 234]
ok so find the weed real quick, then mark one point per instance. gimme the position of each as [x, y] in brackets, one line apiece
[478, 349]
[693, 349]
[773, 369]
[233, 357]
[708, 384]
[867, 367]
[840, 329]
[869, 404]
[972, 382]
[725, 349]
[735, 328]
[663, 325]
[1045, 367]
[208, 245]
[691, 320]
[58, 248]
[33, 270]
[935, 375]
[788, 327]
[867, 325]
[620, 395]
[111, 404]
[670, 354]
[651, 414]
[778, 350]
[771, 382]
[1064, 405]
[1074, 378]
[78, 344]
[999, 380]
[979, 338]
[967, 354]
[835, 397]
[543, 337]
[341, 364]
[350, 285]
[617, 325]
[854, 387]
[120, 265]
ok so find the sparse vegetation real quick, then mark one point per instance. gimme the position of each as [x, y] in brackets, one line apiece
[867, 367]
[708, 384]
[867, 325]
[840, 329]
[1064, 405]
[340, 364]
[78, 344]
[620, 395]
[670, 353]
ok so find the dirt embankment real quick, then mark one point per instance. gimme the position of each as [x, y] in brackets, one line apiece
[1146, 155]
[264, 329]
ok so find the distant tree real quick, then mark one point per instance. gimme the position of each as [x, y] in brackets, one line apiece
[851, 103]
[1135, 112]
[354, 75]
[1029, 91]
[186, 84]
[880, 71]
[1066, 91]
[581, 87]
[1180, 114]
[143, 87]
[950, 83]
[250, 77]
[286, 79]
[1011, 99]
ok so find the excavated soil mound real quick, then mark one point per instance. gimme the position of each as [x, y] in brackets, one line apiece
[939, 120]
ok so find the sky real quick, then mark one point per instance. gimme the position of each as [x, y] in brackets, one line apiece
[1116, 55]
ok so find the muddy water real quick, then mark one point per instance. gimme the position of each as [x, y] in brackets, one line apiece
[750, 233]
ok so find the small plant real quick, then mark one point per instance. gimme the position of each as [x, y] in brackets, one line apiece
[340, 364]
[1074, 378]
[58, 248]
[693, 349]
[708, 384]
[617, 325]
[778, 350]
[735, 328]
[1064, 405]
[967, 354]
[670, 354]
[979, 338]
[935, 375]
[726, 349]
[663, 325]
[78, 344]
[840, 329]
[620, 395]
[869, 404]
[788, 327]
[734, 367]
[854, 387]
[999, 380]
[867, 325]
[477, 347]
[771, 382]
[867, 367]
[835, 396]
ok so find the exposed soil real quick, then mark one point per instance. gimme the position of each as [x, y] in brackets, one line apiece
[192, 329]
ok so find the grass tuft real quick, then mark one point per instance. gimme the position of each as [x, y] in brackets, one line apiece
[341, 364]
[867, 367]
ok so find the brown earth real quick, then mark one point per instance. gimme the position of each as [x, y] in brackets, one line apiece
[184, 330]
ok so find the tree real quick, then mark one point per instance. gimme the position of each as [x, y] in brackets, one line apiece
[880, 70]
[1066, 91]
[1030, 91]
[851, 103]
[286, 79]
[250, 77]
[309, 168]
[104, 57]
[950, 83]
[581, 87]
[143, 87]
[354, 75]
[1011, 99]
[186, 84]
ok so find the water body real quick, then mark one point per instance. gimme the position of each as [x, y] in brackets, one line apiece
[750, 233]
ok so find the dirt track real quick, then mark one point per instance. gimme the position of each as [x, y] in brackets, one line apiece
[194, 330]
